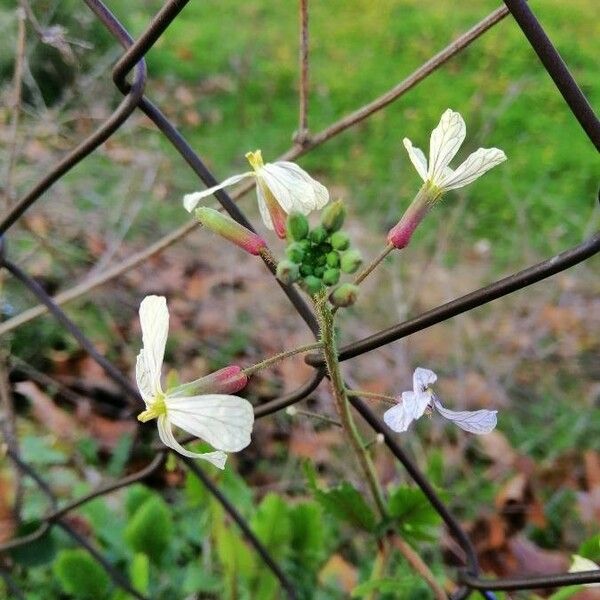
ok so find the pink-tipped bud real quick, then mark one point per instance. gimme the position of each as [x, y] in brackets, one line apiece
[228, 380]
[231, 230]
[399, 235]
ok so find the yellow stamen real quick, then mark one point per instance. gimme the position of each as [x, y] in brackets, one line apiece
[156, 409]
[255, 159]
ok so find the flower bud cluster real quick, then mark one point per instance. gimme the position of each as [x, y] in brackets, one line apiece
[316, 258]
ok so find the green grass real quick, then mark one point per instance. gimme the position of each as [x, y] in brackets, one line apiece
[546, 191]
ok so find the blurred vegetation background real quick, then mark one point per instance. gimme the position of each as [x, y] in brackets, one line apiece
[225, 72]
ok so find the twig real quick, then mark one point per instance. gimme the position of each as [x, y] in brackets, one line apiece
[301, 136]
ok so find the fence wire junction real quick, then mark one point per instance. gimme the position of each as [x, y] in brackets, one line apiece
[132, 62]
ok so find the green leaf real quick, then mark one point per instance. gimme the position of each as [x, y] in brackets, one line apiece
[137, 494]
[307, 535]
[412, 513]
[591, 548]
[198, 580]
[346, 503]
[38, 552]
[566, 592]
[120, 455]
[139, 572]
[271, 523]
[150, 529]
[80, 575]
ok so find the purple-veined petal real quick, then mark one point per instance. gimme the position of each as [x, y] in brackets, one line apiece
[474, 421]
[398, 418]
[422, 379]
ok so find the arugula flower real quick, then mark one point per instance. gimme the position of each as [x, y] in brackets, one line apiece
[445, 141]
[282, 188]
[203, 407]
[413, 406]
[438, 177]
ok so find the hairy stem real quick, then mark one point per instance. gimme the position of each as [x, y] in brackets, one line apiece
[326, 321]
[417, 563]
[279, 357]
[372, 396]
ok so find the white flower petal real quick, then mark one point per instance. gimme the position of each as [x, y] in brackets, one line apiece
[321, 193]
[417, 158]
[191, 200]
[292, 192]
[475, 166]
[444, 143]
[143, 378]
[422, 379]
[165, 433]
[224, 421]
[398, 418]
[154, 319]
[474, 421]
[580, 563]
[262, 207]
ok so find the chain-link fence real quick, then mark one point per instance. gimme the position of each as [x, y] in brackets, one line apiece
[132, 62]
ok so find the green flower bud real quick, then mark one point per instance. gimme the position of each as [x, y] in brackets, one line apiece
[295, 252]
[318, 272]
[318, 234]
[321, 260]
[333, 259]
[313, 285]
[333, 216]
[305, 245]
[287, 272]
[340, 240]
[344, 295]
[331, 276]
[350, 261]
[297, 226]
[306, 270]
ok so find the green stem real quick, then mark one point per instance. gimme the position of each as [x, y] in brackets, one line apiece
[279, 357]
[373, 265]
[372, 396]
[326, 321]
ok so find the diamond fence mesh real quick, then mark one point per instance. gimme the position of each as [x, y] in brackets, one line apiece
[130, 76]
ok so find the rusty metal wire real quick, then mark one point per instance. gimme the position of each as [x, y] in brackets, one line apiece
[135, 98]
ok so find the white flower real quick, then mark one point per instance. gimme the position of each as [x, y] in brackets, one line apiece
[414, 404]
[581, 564]
[445, 141]
[281, 187]
[222, 420]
